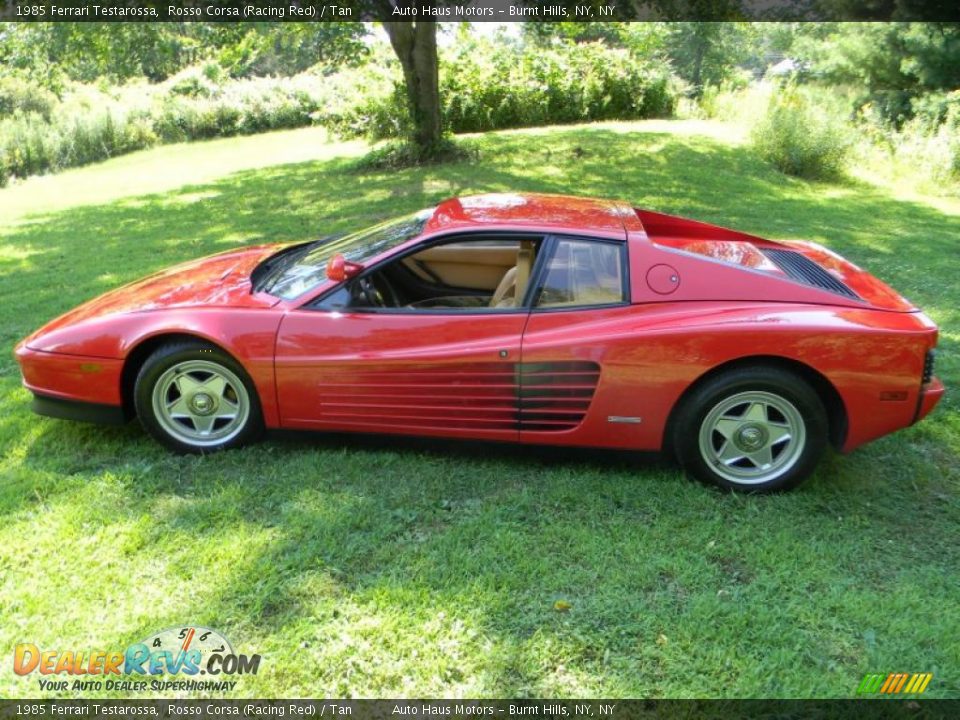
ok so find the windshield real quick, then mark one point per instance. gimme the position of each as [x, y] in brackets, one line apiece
[300, 271]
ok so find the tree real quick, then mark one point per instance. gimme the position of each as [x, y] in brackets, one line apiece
[702, 53]
[87, 51]
[706, 53]
[415, 44]
[889, 65]
[119, 51]
[265, 48]
[580, 32]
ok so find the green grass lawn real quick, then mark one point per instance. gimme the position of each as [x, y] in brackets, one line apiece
[363, 566]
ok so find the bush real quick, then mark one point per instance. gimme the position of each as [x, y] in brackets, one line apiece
[362, 101]
[178, 119]
[239, 107]
[484, 87]
[19, 95]
[30, 145]
[801, 138]
[88, 139]
[732, 101]
[491, 90]
[932, 153]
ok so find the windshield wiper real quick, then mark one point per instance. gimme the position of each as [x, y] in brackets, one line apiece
[268, 269]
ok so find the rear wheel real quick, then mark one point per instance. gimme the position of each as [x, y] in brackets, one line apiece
[195, 398]
[758, 429]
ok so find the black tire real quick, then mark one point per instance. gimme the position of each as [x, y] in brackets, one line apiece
[749, 411]
[194, 398]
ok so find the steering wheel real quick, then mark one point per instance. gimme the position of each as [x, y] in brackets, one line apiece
[371, 291]
[391, 292]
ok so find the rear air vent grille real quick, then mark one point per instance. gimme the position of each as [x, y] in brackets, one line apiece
[802, 269]
[555, 395]
[544, 397]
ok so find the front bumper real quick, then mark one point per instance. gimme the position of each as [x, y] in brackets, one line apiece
[74, 387]
[78, 411]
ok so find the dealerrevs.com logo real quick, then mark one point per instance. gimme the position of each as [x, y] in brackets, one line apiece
[184, 651]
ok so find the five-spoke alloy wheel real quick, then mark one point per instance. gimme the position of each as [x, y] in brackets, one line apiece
[753, 429]
[195, 398]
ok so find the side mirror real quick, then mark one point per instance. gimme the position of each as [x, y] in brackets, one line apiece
[340, 269]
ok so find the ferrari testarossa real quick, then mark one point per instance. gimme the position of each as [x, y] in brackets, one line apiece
[513, 317]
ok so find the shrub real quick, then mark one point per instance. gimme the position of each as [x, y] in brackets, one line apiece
[358, 101]
[30, 145]
[92, 138]
[178, 119]
[274, 108]
[732, 102]
[801, 138]
[489, 88]
[240, 107]
[17, 94]
[931, 152]
[484, 86]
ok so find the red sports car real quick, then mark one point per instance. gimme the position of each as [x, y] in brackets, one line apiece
[524, 318]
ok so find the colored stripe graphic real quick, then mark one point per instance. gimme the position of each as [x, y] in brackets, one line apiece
[894, 683]
[871, 683]
[900, 681]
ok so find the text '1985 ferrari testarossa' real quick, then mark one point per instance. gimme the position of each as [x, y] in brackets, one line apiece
[512, 317]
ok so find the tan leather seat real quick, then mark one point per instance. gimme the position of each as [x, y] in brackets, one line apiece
[504, 295]
[513, 285]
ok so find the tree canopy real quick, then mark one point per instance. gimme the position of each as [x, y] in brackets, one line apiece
[119, 51]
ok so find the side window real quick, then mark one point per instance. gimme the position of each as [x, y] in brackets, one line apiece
[467, 274]
[583, 272]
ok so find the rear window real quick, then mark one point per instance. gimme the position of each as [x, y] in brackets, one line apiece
[583, 273]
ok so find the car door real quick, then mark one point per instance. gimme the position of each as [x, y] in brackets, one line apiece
[575, 382]
[410, 370]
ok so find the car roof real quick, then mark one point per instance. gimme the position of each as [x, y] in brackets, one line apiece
[533, 210]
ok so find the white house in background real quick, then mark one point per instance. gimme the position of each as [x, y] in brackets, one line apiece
[787, 66]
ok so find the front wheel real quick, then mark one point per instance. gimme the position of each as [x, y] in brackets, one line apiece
[195, 398]
[756, 429]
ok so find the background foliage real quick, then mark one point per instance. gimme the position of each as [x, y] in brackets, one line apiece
[801, 136]
[882, 94]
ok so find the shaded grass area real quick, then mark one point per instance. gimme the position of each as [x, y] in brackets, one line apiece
[381, 567]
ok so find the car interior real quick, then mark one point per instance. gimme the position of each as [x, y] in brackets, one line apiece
[464, 274]
[489, 273]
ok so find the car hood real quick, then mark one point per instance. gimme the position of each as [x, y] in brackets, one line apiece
[217, 280]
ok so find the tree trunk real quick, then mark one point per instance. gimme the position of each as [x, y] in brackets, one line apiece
[415, 44]
[698, 54]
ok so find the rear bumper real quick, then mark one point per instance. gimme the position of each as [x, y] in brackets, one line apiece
[930, 395]
[78, 410]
